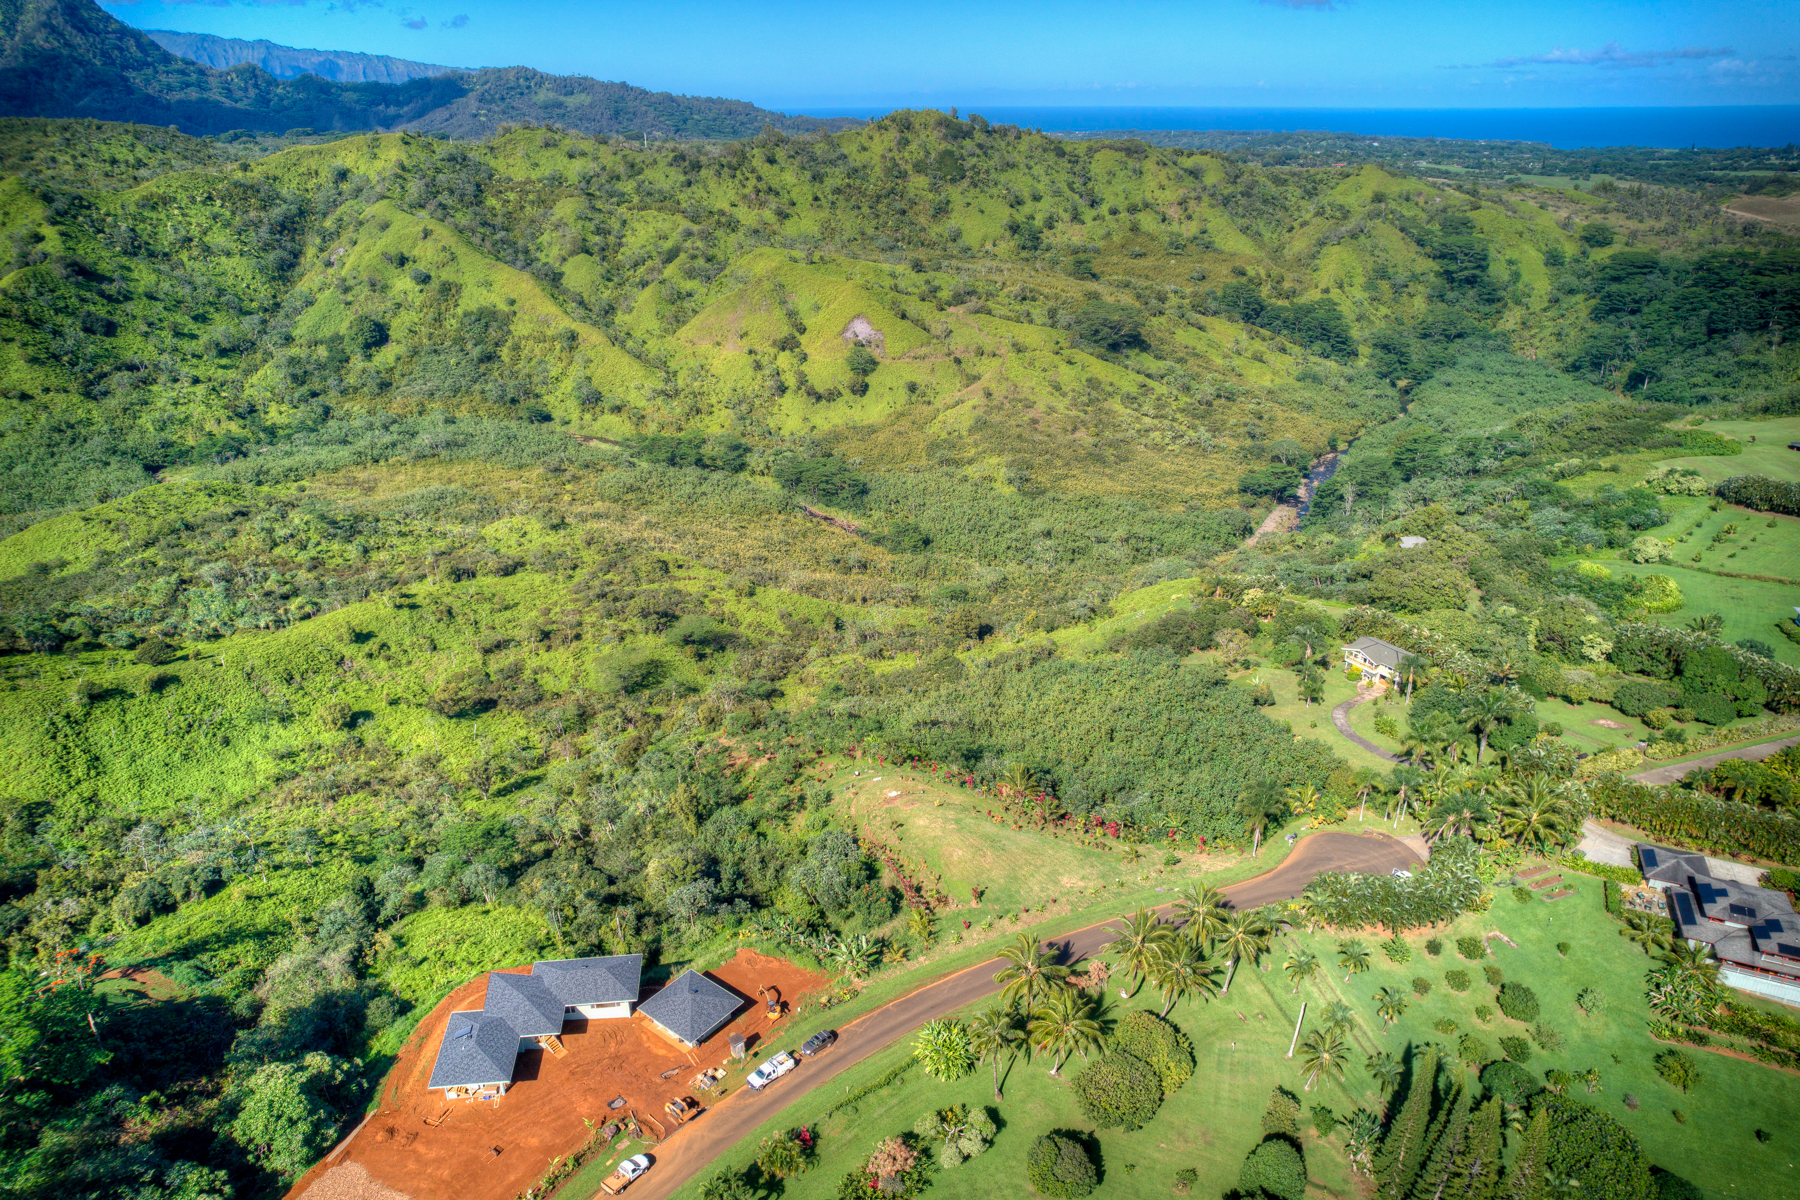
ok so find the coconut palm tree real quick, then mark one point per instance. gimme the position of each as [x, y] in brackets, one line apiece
[1031, 972]
[1533, 815]
[1246, 936]
[1353, 956]
[1180, 971]
[1064, 1024]
[1406, 790]
[1391, 1004]
[1306, 635]
[1139, 941]
[1365, 781]
[1693, 960]
[1202, 909]
[1463, 814]
[1484, 714]
[1384, 1069]
[1337, 1016]
[1302, 966]
[995, 1034]
[1322, 1053]
[1259, 804]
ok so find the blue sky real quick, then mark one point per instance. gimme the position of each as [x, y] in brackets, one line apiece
[1329, 53]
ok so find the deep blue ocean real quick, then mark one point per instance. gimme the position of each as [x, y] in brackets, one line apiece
[1564, 128]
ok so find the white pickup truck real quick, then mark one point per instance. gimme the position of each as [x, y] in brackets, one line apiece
[772, 1070]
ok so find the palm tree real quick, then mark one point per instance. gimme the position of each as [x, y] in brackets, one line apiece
[1646, 930]
[1391, 1004]
[1406, 787]
[1706, 623]
[1337, 1016]
[1303, 799]
[993, 1034]
[1180, 971]
[1486, 713]
[1427, 737]
[1259, 804]
[1384, 1069]
[1353, 956]
[1533, 815]
[920, 923]
[1464, 814]
[1031, 972]
[1322, 1053]
[1139, 942]
[1693, 960]
[1308, 634]
[1365, 780]
[1245, 936]
[1202, 909]
[1301, 966]
[1064, 1024]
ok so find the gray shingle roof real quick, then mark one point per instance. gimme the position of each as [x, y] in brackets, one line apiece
[1378, 651]
[592, 980]
[477, 1049]
[524, 1003]
[1750, 926]
[692, 1007]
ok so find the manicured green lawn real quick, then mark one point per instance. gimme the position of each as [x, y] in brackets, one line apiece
[1314, 720]
[1241, 1042]
[1750, 607]
[1768, 455]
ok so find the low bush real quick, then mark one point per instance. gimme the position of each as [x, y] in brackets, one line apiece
[1473, 1050]
[1275, 1169]
[1495, 976]
[1119, 1091]
[1547, 1036]
[1434, 946]
[1059, 1165]
[1509, 1081]
[1456, 981]
[1678, 1069]
[1421, 986]
[1591, 1001]
[1517, 1001]
[1397, 951]
[1516, 1048]
[1154, 1040]
[1484, 1012]
[1471, 948]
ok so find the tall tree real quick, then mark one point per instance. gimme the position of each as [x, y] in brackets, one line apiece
[1525, 1178]
[994, 1034]
[1451, 1130]
[1245, 936]
[1485, 713]
[1138, 942]
[1203, 911]
[1180, 971]
[1478, 1165]
[1030, 974]
[1404, 1148]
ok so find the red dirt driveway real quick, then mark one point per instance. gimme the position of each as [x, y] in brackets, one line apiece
[493, 1150]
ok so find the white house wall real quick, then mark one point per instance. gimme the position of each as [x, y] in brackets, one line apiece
[600, 1012]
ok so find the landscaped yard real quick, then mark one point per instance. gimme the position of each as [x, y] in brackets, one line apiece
[1241, 1042]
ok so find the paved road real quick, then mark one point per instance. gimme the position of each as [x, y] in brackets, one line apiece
[1340, 716]
[693, 1150]
[1675, 772]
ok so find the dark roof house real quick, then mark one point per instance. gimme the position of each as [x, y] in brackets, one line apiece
[1752, 929]
[581, 981]
[692, 1007]
[478, 1051]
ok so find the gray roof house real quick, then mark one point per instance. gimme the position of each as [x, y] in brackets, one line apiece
[581, 982]
[477, 1052]
[522, 1012]
[692, 1008]
[525, 1003]
[1753, 931]
[1374, 656]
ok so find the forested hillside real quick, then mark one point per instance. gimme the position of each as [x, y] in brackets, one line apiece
[425, 555]
[69, 58]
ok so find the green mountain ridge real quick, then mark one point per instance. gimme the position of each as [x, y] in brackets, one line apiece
[68, 58]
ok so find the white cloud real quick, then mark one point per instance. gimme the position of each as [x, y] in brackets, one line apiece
[1611, 55]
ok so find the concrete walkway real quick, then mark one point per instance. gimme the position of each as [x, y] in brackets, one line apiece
[1340, 716]
[694, 1149]
[1676, 772]
[1603, 845]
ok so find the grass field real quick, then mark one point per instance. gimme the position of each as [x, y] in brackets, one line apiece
[1750, 607]
[1768, 455]
[1241, 1041]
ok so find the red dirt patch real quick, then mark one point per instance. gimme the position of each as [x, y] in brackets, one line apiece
[150, 983]
[541, 1116]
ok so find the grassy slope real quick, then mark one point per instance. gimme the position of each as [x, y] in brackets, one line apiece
[1213, 1121]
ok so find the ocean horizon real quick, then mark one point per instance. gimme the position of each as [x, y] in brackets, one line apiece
[1715, 127]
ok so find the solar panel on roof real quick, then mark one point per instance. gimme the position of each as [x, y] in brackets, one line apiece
[1741, 910]
[1790, 951]
[465, 1031]
[1649, 857]
[1684, 908]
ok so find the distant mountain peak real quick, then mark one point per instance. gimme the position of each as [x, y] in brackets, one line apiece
[290, 62]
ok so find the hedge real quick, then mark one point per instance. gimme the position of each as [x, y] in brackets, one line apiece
[1761, 493]
[1689, 819]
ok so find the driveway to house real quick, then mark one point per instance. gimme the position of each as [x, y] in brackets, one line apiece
[1603, 845]
[1340, 716]
[691, 1152]
[1676, 772]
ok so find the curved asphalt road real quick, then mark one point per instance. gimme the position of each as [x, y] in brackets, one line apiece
[734, 1118]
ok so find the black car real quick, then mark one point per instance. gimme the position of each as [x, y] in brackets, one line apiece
[817, 1042]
